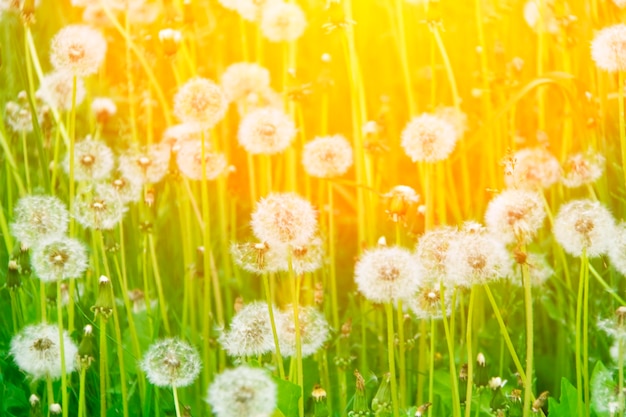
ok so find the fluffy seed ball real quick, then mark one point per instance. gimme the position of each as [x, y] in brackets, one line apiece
[431, 251]
[171, 363]
[428, 138]
[78, 50]
[386, 274]
[581, 169]
[38, 218]
[532, 169]
[56, 90]
[147, 165]
[266, 131]
[515, 215]
[608, 48]
[243, 78]
[284, 219]
[200, 100]
[59, 259]
[243, 391]
[313, 330]
[327, 157]
[250, 331]
[617, 251]
[189, 160]
[36, 350]
[99, 207]
[584, 225]
[282, 22]
[93, 160]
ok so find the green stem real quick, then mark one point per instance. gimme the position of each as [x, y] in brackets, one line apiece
[579, 308]
[431, 367]
[585, 276]
[528, 384]
[176, 404]
[454, 385]
[331, 250]
[470, 355]
[65, 404]
[81, 393]
[103, 366]
[270, 307]
[391, 359]
[402, 400]
[295, 287]
[26, 167]
[159, 285]
[622, 122]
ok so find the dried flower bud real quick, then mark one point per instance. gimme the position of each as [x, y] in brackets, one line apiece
[105, 301]
[170, 39]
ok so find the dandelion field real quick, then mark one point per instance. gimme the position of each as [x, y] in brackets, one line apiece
[312, 208]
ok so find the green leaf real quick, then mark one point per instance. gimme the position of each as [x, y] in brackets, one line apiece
[568, 403]
[288, 395]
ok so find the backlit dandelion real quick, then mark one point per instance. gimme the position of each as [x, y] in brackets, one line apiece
[18, 114]
[175, 135]
[250, 332]
[617, 249]
[39, 218]
[399, 200]
[584, 225]
[284, 219]
[36, 351]
[127, 190]
[78, 50]
[189, 160]
[431, 251]
[148, 165]
[327, 157]
[243, 391]
[171, 363]
[103, 108]
[200, 100]
[539, 271]
[242, 79]
[282, 22]
[93, 160]
[533, 169]
[99, 207]
[425, 303]
[314, 330]
[266, 131]
[58, 259]
[581, 169]
[386, 274]
[515, 215]
[429, 138]
[56, 90]
[608, 48]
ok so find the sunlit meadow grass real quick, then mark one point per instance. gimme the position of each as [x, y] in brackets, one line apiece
[320, 208]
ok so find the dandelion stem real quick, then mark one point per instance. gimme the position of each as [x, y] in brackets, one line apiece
[270, 307]
[456, 402]
[176, 404]
[622, 121]
[26, 167]
[72, 158]
[470, 355]
[331, 250]
[402, 400]
[295, 286]
[159, 285]
[65, 403]
[579, 308]
[528, 384]
[42, 299]
[431, 366]
[103, 372]
[391, 359]
[584, 265]
[81, 393]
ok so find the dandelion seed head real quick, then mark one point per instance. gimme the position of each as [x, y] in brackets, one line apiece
[266, 131]
[58, 259]
[78, 50]
[515, 215]
[244, 78]
[189, 160]
[243, 391]
[36, 351]
[56, 90]
[175, 135]
[456, 117]
[532, 14]
[147, 165]
[539, 271]
[581, 169]
[314, 330]
[617, 250]
[93, 160]
[200, 100]
[171, 363]
[399, 200]
[429, 138]
[127, 191]
[262, 98]
[608, 48]
[425, 303]
[431, 251]
[250, 332]
[477, 258]
[327, 157]
[39, 218]
[99, 207]
[533, 169]
[386, 274]
[620, 3]
[282, 22]
[18, 115]
[55, 408]
[284, 219]
[584, 225]
[103, 108]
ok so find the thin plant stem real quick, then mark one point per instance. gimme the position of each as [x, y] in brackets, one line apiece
[622, 120]
[579, 308]
[176, 404]
[295, 286]
[431, 366]
[391, 359]
[159, 285]
[402, 400]
[26, 166]
[584, 262]
[270, 307]
[528, 301]
[456, 402]
[42, 300]
[470, 355]
[331, 250]
[65, 403]
[103, 372]
[81, 393]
